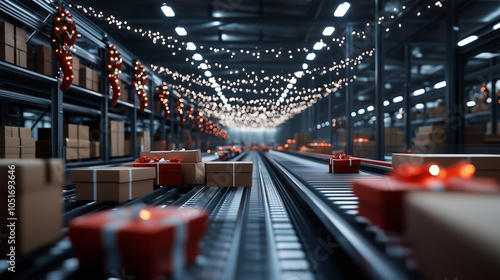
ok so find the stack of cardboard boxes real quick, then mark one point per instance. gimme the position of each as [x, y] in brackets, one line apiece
[75, 139]
[40, 60]
[117, 138]
[394, 138]
[88, 78]
[431, 139]
[13, 48]
[16, 142]
[144, 141]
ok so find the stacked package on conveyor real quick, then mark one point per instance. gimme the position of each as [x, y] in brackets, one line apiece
[229, 174]
[112, 183]
[168, 172]
[16, 142]
[343, 164]
[144, 242]
[31, 197]
[192, 167]
[75, 139]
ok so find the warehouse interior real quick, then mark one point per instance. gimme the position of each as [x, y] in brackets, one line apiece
[299, 139]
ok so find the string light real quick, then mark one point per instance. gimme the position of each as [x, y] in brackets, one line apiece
[140, 83]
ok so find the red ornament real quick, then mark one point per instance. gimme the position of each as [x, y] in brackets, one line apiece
[114, 69]
[140, 82]
[164, 98]
[63, 37]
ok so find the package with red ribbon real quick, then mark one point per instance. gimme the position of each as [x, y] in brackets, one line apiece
[142, 242]
[342, 164]
[167, 173]
[381, 199]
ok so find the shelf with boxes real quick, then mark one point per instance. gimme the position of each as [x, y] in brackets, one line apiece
[34, 81]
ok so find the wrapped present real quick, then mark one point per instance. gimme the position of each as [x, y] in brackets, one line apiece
[186, 156]
[381, 199]
[167, 173]
[342, 163]
[229, 174]
[146, 243]
[454, 235]
[113, 183]
[31, 191]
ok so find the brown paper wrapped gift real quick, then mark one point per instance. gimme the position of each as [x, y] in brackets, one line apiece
[38, 207]
[229, 174]
[112, 184]
[187, 156]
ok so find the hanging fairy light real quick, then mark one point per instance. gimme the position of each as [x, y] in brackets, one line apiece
[114, 69]
[164, 99]
[140, 83]
[63, 37]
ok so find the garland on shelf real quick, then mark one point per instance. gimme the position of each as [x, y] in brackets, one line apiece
[63, 37]
[140, 82]
[164, 98]
[180, 109]
[114, 69]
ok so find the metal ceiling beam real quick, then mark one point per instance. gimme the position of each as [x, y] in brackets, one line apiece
[250, 20]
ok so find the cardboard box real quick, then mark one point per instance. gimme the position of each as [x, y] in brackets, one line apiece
[455, 235]
[8, 132]
[10, 142]
[127, 147]
[71, 153]
[44, 53]
[112, 184]
[95, 149]
[70, 131]
[43, 67]
[481, 162]
[121, 143]
[24, 132]
[342, 166]
[21, 40]
[167, 174]
[83, 132]
[7, 34]
[187, 156]
[229, 174]
[193, 173]
[7, 53]
[436, 112]
[38, 203]
[28, 156]
[83, 149]
[364, 149]
[76, 71]
[147, 249]
[21, 58]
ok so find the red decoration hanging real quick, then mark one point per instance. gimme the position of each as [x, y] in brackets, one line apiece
[63, 37]
[164, 98]
[114, 69]
[140, 82]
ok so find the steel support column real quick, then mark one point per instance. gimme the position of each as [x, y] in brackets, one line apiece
[379, 82]
[407, 96]
[330, 111]
[151, 116]
[103, 85]
[349, 94]
[133, 117]
[455, 115]
[57, 114]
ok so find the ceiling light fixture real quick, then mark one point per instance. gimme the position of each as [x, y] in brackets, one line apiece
[197, 57]
[418, 92]
[190, 46]
[467, 40]
[328, 30]
[342, 9]
[397, 99]
[370, 108]
[496, 26]
[181, 31]
[305, 66]
[203, 66]
[439, 85]
[311, 56]
[386, 103]
[318, 46]
[167, 10]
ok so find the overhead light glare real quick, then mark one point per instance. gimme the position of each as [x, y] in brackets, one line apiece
[208, 73]
[305, 66]
[361, 111]
[167, 10]
[204, 66]
[181, 31]
[318, 46]
[370, 108]
[471, 103]
[353, 114]
[467, 40]
[197, 57]
[328, 31]
[311, 56]
[386, 102]
[397, 99]
[419, 106]
[439, 85]
[418, 92]
[342, 9]
[191, 46]
[496, 26]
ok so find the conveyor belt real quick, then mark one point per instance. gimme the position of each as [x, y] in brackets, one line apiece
[331, 197]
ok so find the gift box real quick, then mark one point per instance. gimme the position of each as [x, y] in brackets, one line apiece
[36, 199]
[229, 174]
[167, 173]
[144, 243]
[193, 173]
[454, 235]
[381, 199]
[483, 163]
[342, 166]
[187, 156]
[112, 184]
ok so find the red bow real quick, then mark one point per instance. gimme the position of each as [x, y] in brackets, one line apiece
[341, 156]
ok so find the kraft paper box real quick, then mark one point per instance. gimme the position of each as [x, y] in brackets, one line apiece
[8, 132]
[21, 40]
[187, 156]
[167, 173]
[21, 58]
[83, 149]
[83, 132]
[70, 131]
[7, 34]
[10, 142]
[95, 149]
[71, 153]
[229, 174]
[7, 53]
[193, 173]
[454, 235]
[112, 184]
[146, 248]
[38, 202]
[27, 142]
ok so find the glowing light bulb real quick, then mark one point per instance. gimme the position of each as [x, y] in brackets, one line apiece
[434, 170]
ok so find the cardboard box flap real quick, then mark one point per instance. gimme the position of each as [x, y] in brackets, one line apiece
[481, 162]
[236, 166]
[113, 174]
[33, 174]
[187, 156]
